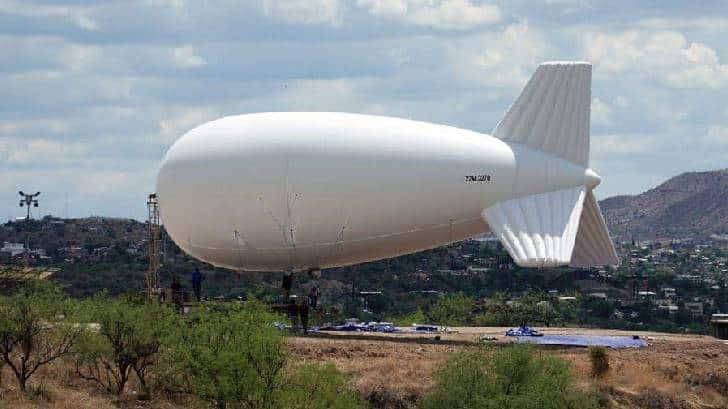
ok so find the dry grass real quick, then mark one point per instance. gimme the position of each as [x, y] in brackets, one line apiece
[674, 372]
[690, 374]
[388, 374]
[61, 389]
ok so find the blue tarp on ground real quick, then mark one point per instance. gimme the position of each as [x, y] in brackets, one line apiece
[586, 341]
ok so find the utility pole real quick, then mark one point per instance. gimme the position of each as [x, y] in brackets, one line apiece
[28, 200]
[154, 246]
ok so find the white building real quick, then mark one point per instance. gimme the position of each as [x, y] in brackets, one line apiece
[13, 248]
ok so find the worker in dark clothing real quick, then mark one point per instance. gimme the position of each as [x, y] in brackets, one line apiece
[197, 283]
[293, 312]
[304, 315]
[286, 285]
[313, 297]
[176, 288]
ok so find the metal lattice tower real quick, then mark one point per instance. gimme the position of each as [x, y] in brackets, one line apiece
[155, 245]
[28, 200]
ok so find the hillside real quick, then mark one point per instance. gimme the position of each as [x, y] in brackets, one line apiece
[693, 204]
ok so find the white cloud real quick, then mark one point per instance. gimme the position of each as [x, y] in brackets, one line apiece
[79, 57]
[79, 16]
[717, 134]
[184, 119]
[667, 55]
[621, 101]
[305, 11]
[186, 57]
[601, 112]
[38, 150]
[439, 14]
[507, 58]
[702, 23]
[604, 146]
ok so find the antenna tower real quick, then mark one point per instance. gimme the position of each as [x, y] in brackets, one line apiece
[155, 244]
[28, 200]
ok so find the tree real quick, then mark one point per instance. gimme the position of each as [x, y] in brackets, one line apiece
[415, 317]
[546, 313]
[34, 330]
[231, 354]
[453, 309]
[128, 340]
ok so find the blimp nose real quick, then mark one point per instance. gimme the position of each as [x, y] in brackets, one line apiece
[591, 179]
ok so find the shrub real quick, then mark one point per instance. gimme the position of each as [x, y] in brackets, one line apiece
[416, 317]
[33, 329]
[314, 386]
[230, 354]
[128, 340]
[599, 361]
[510, 378]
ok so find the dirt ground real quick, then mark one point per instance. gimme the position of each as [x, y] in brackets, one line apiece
[394, 370]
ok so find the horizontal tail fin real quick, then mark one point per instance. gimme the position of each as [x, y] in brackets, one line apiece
[593, 245]
[538, 230]
[552, 112]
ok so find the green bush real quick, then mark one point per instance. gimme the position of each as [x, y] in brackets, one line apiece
[230, 354]
[510, 378]
[599, 361]
[315, 386]
[128, 340]
[34, 330]
[416, 317]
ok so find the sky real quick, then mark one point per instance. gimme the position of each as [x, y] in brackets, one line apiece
[92, 93]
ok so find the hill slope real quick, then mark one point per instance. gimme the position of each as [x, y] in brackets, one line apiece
[693, 204]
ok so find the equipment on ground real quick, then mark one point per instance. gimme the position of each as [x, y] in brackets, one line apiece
[524, 331]
[302, 191]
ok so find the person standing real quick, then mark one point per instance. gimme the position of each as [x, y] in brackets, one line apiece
[176, 288]
[303, 310]
[286, 285]
[197, 283]
[313, 296]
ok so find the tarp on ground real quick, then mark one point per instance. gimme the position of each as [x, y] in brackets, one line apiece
[586, 341]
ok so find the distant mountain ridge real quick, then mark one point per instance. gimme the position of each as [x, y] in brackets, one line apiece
[693, 204]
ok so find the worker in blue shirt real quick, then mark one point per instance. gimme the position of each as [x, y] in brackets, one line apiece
[197, 283]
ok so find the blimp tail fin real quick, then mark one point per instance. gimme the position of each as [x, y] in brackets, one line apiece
[563, 227]
[552, 112]
[593, 245]
[538, 230]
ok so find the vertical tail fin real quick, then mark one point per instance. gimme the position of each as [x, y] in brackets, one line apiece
[552, 112]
